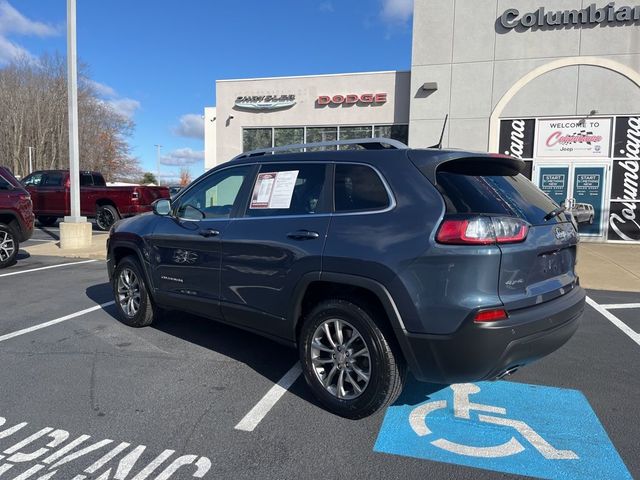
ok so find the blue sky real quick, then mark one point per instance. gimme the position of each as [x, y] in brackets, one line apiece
[158, 61]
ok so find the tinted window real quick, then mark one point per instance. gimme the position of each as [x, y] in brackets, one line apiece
[86, 180]
[34, 179]
[4, 184]
[358, 188]
[288, 189]
[214, 196]
[53, 180]
[512, 195]
[99, 181]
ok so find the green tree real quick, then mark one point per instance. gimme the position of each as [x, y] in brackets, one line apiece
[148, 177]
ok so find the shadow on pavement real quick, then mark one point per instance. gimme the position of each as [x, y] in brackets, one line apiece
[266, 357]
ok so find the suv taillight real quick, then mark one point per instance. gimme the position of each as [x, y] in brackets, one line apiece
[482, 230]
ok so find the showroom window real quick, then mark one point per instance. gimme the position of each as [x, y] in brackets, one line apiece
[255, 138]
[395, 132]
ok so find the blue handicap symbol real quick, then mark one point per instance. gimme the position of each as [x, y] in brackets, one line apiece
[532, 430]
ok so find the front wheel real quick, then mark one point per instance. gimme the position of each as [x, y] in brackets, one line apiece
[133, 302]
[348, 362]
[106, 216]
[9, 246]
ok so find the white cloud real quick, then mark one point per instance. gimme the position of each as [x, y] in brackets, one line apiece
[191, 126]
[182, 157]
[124, 106]
[397, 11]
[12, 22]
[326, 7]
[101, 89]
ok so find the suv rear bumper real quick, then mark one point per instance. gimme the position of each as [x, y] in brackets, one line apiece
[484, 351]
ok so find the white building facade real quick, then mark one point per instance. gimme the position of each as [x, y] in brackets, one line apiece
[556, 83]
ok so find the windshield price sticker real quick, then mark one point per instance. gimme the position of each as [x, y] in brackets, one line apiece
[274, 189]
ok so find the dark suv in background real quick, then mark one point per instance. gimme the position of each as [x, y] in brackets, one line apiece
[16, 217]
[370, 259]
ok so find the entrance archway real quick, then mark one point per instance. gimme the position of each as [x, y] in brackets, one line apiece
[494, 120]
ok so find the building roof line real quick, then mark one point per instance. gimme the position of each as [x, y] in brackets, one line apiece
[311, 76]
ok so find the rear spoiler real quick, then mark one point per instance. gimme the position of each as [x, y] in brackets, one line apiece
[430, 162]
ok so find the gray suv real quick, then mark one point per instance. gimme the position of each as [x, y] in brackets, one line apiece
[367, 256]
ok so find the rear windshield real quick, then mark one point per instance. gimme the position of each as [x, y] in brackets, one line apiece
[512, 195]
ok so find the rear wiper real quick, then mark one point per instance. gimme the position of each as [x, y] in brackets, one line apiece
[554, 213]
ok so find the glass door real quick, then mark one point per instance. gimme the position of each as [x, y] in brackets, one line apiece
[581, 188]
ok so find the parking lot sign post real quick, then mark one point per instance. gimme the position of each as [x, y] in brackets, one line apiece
[75, 231]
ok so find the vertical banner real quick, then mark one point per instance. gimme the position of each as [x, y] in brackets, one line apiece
[588, 192]
[624, 218]
[516, 137]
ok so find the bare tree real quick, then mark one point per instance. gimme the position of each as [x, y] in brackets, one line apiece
[33, 112]
[185, 177]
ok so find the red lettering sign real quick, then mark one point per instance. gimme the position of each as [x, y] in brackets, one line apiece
[352, 99]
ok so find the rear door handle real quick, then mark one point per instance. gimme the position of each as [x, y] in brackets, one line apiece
[303, 235]
[209, 232]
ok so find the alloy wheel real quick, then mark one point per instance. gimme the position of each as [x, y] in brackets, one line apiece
[7, 246]
[105, 219]
[340, 358]
[128, 292]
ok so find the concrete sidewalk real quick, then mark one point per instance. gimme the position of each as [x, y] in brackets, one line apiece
[601, 266]
[97, 250]
[608, 266]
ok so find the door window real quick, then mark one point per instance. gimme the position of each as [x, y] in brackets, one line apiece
[288, 189]
[53, 180]
[214, 196]
[33, 180]
[86, 180]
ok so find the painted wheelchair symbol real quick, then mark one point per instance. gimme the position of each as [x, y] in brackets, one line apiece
[462, 407]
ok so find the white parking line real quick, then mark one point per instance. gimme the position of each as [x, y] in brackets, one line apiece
[40, 240]
[46, 268]
[613, 306]
[615, 320]
[55, 321]
[260, 410]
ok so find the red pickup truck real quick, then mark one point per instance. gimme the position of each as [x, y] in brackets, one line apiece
[50, 191]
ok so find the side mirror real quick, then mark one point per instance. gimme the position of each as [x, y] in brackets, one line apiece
[162, 207]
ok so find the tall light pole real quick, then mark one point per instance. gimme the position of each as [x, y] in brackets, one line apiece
[158, 147]
[30, 160]
[75, 231]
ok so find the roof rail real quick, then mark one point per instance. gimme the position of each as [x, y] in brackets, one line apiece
[366, 143]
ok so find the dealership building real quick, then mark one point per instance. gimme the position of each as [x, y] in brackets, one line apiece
[556, 83]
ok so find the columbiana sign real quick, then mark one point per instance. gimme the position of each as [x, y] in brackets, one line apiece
[591, 15]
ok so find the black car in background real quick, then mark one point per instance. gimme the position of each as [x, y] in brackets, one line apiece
[370, 259]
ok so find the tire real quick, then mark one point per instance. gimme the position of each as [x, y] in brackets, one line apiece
[9, 246]
[47, 221]
[386, 369]
[106, 216]
[146, 312]
[591, 220]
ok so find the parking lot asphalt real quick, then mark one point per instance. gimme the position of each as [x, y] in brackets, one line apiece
[109, 401]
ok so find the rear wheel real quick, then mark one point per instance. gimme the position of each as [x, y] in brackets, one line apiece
[9, 246]
[134, 305]
[47, 221]
[106, 216]
[347, 360]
